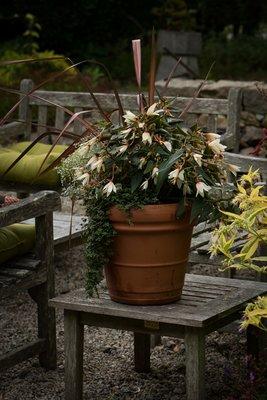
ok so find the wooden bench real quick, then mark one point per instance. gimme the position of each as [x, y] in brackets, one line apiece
[33, 272]
[207, 303]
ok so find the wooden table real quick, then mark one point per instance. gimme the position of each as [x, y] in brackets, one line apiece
[207, 304]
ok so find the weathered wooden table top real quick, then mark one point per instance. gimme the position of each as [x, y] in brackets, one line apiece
[205, 299]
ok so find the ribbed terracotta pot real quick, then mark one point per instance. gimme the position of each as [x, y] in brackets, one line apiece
[150, 255]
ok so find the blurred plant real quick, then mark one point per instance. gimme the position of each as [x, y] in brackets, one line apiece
[31, 34]
[95, 74]
[174, 15]
[252, 220]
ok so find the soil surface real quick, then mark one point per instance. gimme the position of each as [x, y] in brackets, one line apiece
[108, 358]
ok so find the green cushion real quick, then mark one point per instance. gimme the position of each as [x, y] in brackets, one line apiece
[16, 240]
[25, 171]
[38, 148]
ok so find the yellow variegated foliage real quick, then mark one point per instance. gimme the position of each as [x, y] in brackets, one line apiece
[250, 225]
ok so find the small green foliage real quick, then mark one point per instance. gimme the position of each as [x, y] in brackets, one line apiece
[251, 220]
[99, 232]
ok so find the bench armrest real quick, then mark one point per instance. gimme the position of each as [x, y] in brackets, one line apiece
[31, 207]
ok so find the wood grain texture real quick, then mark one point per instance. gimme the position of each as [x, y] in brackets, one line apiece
[129, 102]
[73, 342]
[195, 364]
[33, 206]
[21, 354]
[46, 315]
[25, 113]
[232, 295]
[141, 352]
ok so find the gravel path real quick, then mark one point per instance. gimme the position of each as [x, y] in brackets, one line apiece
[108, 359]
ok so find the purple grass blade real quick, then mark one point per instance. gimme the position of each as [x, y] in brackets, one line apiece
[187, 107]
[152, 71]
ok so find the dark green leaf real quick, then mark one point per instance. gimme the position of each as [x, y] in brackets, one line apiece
[165, 167]
[136, 181]
[149, 167]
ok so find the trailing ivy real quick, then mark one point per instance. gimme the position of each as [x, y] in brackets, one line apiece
[99, 232]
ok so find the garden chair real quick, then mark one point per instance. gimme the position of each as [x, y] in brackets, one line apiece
[33, 271]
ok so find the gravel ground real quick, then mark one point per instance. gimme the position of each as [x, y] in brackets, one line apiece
[108, 359]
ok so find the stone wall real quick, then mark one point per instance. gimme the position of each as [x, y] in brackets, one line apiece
[254, 104]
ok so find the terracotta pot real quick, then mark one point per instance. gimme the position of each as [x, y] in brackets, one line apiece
[150, 255]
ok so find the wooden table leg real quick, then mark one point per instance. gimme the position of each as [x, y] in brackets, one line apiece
[73, 338]
[142, 352]
[256, 343]
[195, 364]
[155, 340]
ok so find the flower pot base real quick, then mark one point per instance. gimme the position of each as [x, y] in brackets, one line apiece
[145, 301]
[150, 255]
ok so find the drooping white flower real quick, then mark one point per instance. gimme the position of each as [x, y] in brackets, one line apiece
[126, 131]
[98, 164]
[168, 146]
[151, 109]
[92, 141]
[176, 177]
[198, 158]
[141, 162]
[129, 117]
[155, 172]
[216, 146]
[181, 175]
[233, 168]
[173, 176]
[146, 138]
[92, 160]
[123, 148]
[83, 150]
[109, 188]
[212, 136]
[144, 185]
[201, 188]
[85, 178]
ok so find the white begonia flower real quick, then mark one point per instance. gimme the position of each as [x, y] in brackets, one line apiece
[98, 165]
[144, 185]
[155, 172]
[201, 188]
[146, 138]
[129, 117]
[198, 158]
[83, 149]
[142, 162]
[174, 176]
[233, 168]
[123, 148]
[85, 178]
[216, 146]
[92, 160]
[126, 131]
[109, 188]
[181, 175]
[92, 141]
[168, 146]
[212, 136]
[151, 109]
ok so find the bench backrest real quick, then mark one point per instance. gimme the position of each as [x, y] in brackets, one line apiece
[41, 106]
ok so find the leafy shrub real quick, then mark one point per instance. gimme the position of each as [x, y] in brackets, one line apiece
[243, 57]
